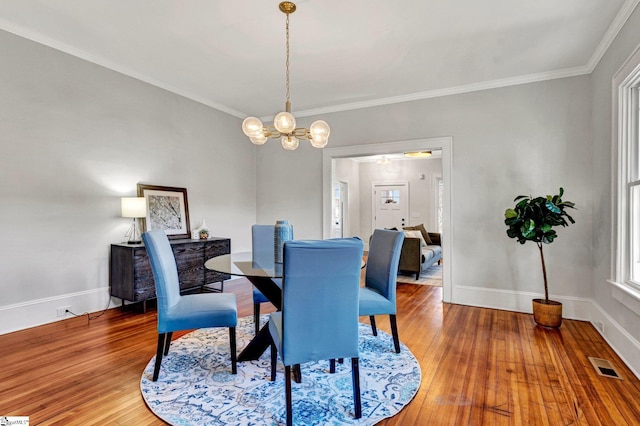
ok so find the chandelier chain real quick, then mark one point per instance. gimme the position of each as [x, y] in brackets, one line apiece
[287, 66]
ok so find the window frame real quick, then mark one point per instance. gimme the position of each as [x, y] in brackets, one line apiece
[626, 170]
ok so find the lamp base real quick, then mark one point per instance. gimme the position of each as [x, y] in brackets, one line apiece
[133, 233]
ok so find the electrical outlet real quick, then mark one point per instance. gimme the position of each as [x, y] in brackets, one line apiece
[61, 312]
[601, 327]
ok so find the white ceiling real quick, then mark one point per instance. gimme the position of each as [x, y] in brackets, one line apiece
[344, 54]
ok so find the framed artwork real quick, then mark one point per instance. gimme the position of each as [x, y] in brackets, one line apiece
[167, 209]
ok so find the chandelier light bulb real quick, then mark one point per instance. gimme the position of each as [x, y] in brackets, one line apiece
[289, 142]
[319, 143]
[284, 122]
[258, 140]
[319, 130]
[252, 127]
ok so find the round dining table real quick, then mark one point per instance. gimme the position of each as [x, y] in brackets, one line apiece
[261, 272]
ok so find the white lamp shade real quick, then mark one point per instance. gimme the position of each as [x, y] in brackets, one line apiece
[284, 122]
[133, 207]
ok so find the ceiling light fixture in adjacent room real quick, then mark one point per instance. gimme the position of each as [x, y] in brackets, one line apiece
[418, 154]
[284, 123]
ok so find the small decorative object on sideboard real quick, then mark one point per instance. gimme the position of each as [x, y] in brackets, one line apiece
[204, 234]
[283, 231]
[196, 234]
[532, 219]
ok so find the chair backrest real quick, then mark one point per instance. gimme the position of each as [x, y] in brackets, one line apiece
[262, 242]
[382, 262]
[320, 299]
[165, 271]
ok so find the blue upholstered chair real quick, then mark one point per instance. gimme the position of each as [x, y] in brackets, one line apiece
[262, 237]
[177, 312]
[319, 317]
[378, 296]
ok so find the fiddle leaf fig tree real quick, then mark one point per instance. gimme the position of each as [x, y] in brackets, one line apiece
[533, 219]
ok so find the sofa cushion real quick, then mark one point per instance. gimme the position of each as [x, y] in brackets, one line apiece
[431, 251]
[416, 234]
[423, 231]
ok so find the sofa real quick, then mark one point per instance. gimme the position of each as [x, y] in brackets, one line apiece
[416, 256]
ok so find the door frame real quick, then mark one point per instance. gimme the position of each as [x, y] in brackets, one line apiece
[375, 184]
[445, 144]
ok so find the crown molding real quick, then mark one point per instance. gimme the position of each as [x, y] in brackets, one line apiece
[112, 66]
[621, 18]
[618, 22]
[475, 87]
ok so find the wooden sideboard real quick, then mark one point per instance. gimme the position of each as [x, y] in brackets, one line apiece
[131, 278]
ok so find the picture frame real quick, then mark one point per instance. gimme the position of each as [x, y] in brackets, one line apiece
[167, 209]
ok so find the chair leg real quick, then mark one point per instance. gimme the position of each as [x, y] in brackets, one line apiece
[418, 275]
[167, 343]
[332, 365]
[372, 320]
[232, 347]
[256, 317]
[159, 351]
[287, 391]
[355, 377]
[394, 332]
[274, 360]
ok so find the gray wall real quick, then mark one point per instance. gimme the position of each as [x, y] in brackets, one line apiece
[621, 324]
[76, 137]
[527, 139]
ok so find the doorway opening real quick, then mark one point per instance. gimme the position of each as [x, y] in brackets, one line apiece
[331, 160]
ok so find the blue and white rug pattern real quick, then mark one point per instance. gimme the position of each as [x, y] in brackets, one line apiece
[196, 387]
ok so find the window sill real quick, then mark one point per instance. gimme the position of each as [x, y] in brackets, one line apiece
[628, 296]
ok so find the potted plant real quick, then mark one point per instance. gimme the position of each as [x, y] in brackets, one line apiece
[533, 219]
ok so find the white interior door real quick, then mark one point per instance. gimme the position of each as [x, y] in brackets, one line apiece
[340, 210]
[390, 205]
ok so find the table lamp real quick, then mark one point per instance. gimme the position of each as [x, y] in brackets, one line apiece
[134, 207]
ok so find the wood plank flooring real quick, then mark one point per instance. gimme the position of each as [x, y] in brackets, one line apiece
[479, 367]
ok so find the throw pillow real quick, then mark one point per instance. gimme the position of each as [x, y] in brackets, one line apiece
[423, 231]
[415, 234]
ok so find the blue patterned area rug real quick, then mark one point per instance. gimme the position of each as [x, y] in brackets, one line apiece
[196, 386]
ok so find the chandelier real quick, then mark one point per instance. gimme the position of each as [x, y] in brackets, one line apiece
[284, 123]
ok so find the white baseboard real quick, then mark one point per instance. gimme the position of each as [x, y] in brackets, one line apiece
[508, 300]
[43, 311]
[624, 344]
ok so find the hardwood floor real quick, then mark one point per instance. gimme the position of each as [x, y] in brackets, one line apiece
[479, 367]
